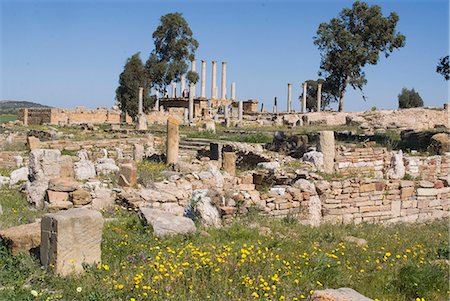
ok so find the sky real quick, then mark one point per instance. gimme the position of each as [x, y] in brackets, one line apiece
[71, 53]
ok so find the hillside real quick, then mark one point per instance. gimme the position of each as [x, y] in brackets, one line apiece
[12, 106]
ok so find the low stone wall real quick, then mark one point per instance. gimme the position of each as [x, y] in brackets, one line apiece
[384, 201]
[363, 161]
[375, 162]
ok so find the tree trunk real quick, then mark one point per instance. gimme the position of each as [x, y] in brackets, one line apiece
[341, 96]
[341, 101]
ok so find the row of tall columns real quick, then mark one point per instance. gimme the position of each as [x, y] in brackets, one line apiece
[289, 97]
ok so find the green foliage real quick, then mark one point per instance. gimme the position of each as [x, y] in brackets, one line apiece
[311, 95]
[202, 134]
[11, 107]
[4, 118]
[443, 67]
[131, 79]
[149, 172]
[174, 47]
[353, 40]
[250, 138]
[409, 99]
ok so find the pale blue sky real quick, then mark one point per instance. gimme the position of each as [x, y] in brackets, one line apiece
[70, 53]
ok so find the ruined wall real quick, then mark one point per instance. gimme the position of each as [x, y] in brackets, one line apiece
[348, 201]
[94, 147]
[428, 168]
[78, 115]
[414, 118]
[384, 201]
[362, 161]
[160, 117]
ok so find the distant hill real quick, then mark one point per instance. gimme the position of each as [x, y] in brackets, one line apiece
[12, 106]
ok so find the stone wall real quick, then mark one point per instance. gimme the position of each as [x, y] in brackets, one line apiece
[352, 201]
[428, 168]
[94, 147]
[78, 115]
[374, 162]
[7, 159]
[362, 161]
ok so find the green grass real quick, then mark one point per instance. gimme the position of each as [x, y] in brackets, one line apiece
[237, 263]
[15, 209]
[7, 117]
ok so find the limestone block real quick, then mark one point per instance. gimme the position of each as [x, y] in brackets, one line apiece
[229, 163]
[67, 167]
[63, 184]
[138, 152]
[70, 239]
[164, 223]
[80, 197]
[19, 175]
[127, 175]
[341, 294]
[57, 196]
[33, 143]
[326, 146]
[22, 238]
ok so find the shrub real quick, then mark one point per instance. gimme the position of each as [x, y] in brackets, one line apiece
[409, 99]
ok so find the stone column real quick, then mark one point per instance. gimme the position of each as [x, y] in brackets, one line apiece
[240, 110]
[172, 142]
[141, 101]
[289, 98]
[203, 83]
[224, 81]
[214, 81]
[233, 91]
[327, 147]
[25, 117]
[182, 84]
[69, 239]
[141, 118]
[229, 163]
[319, 96]
[304, 97]
[191, 102]
[262, 107]
[275, 105]
[225, 111]
[174, 88]
[193, 69]
[186, 117]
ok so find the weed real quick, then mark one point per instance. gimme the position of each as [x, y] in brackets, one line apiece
[149, 172]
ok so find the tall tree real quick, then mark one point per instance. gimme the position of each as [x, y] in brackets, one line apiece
[175, 46]
[353, 40]
[443, 67]
[133, 77]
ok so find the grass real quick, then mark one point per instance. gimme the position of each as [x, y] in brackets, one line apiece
[238, 263]
[15, 210]
[7, 117]
[149, 172]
